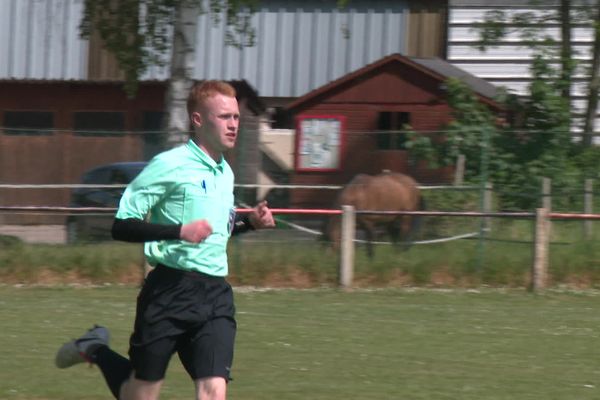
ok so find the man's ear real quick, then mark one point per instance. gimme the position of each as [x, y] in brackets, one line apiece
[196, 119]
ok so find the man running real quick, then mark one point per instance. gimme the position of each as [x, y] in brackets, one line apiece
[182, 207]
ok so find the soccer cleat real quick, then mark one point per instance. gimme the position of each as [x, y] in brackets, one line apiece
[81, 350]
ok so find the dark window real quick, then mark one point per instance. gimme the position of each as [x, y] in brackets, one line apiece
[28, 122]
[154, 137]
[152, 121]
[152, 125]
[391, 130]
[98, 123]
[281, 119]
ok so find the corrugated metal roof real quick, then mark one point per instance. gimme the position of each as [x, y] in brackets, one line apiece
[303, 45]
[438, 68]
[39, 40]
[448, 70]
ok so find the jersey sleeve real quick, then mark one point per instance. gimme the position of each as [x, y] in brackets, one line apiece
[146, 190]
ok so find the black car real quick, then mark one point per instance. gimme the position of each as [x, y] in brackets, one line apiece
[93, 227]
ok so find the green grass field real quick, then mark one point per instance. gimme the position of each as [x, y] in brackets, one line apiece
[327, 344]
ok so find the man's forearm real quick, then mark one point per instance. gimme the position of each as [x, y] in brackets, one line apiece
[242, 224]
[137, 231]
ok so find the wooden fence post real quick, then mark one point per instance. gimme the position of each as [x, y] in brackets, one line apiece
[547, 194]
[547, 199]
[539, 274]
[347, 246]
[459, 172]
[588, 207]
[487, 205]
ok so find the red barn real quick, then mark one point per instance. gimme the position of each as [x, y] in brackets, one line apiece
[355, 124]
[54, 131]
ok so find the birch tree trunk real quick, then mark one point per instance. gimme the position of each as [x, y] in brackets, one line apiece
[590, 114]
[565, 47]
[182, 66]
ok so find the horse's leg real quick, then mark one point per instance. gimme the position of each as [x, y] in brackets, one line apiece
[369, 229]
[406, 228]
[393, 229]
[332, 234]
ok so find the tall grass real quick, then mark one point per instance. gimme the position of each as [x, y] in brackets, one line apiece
[106, 262]
[504, 258]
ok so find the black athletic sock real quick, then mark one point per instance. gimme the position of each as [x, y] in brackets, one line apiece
[115, 368]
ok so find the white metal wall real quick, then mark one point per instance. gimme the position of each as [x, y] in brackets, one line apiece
[301, 46]
[39, 40]
[508, 63]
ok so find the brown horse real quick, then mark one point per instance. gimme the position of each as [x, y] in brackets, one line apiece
[384, 192]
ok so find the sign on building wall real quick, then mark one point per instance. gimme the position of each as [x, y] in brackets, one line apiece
[319, 142]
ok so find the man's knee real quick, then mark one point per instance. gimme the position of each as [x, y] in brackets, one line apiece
[136, 389]
[212, 388]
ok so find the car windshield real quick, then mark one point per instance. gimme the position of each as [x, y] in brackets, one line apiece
[132, 171]
[122, 174]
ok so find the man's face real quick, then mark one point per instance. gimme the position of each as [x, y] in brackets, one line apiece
[218, 121]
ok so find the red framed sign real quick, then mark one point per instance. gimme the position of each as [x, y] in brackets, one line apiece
[319, 142]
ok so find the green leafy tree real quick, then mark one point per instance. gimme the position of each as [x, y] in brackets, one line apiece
[534, 143]
[139, 33]
[471, 130]
[530, 26]
[419, 147]
[539, 140]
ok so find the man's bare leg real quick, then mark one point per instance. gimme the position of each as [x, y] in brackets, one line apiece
[212, 388]
[136, 389]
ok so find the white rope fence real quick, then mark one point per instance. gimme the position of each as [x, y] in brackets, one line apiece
[417, 242]
[247, 186]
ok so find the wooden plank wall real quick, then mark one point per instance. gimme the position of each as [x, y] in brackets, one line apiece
[55, 159]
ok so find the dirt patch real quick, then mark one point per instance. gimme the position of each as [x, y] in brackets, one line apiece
[289, 278]
[292, 278]
[578, 281]
[442, 277]
[396, 278]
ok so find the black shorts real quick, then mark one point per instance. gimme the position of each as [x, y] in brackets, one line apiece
[185, 312]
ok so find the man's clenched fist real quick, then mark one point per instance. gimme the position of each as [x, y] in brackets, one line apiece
[195, 231]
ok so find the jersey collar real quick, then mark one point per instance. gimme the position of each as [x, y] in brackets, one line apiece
[205, 158]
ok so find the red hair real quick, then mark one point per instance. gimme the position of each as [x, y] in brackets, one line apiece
[201, 91]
